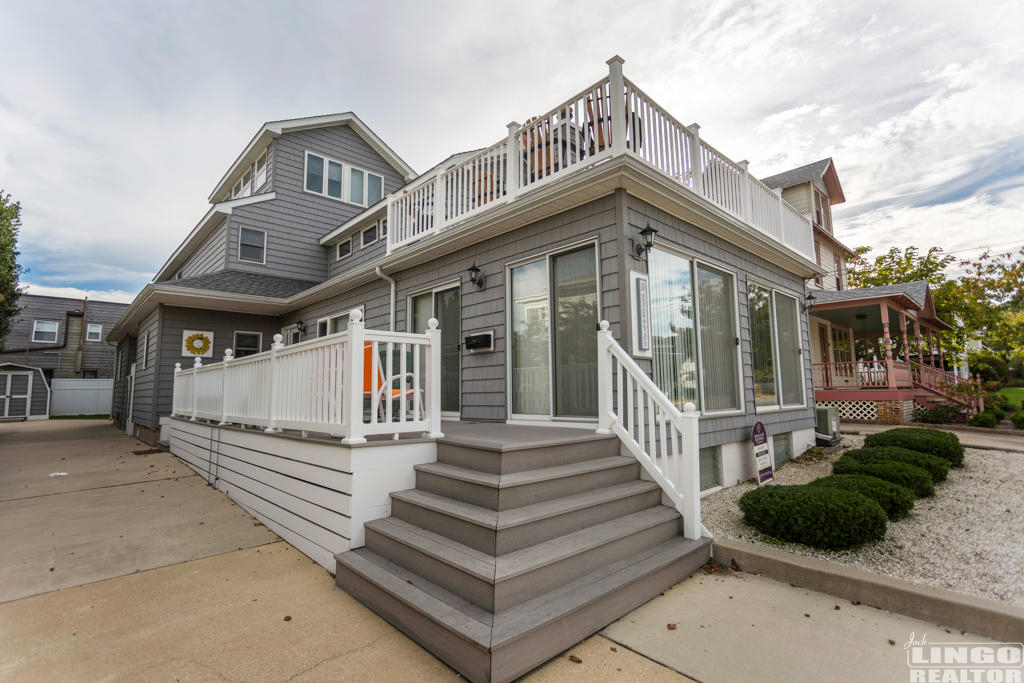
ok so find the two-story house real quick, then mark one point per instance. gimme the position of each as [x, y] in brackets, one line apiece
[602, 288]
[53, 338]
[876, 352]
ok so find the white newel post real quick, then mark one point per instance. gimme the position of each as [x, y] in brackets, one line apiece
[439, 199]
[745, 198]
[617, 104]
[604, 379]
[272, 403]
[782, 214]
[196, 364]
[433, 383]
[175, 398]
[691, 472]
[696, 165]
[229, 356]
[512, 161]
[389, 217]
[352, 385]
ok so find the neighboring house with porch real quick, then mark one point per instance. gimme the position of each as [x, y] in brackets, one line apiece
[567, 329]
[56, 338]
[876, 352]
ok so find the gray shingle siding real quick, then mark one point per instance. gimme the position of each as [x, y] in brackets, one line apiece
[296, 220]
[210, 256]
[748, 267]
[144, 412]
[360, 255]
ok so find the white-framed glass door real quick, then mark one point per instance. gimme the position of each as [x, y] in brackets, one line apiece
[444, 304]
[553, 317]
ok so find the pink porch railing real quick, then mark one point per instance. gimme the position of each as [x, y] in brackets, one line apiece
[851, 375]
[940, 382]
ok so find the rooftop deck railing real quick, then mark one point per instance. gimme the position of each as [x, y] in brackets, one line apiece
[582, 132]
[391, 385]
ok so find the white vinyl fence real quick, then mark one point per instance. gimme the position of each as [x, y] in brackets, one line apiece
[81, 396]
[391, 384]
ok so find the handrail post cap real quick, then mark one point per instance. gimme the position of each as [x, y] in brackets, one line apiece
[355, 315]
[278, 338]
[432, 324]
[689, 407]
[604, 325]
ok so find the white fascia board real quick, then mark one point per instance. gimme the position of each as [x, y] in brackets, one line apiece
[202, 231]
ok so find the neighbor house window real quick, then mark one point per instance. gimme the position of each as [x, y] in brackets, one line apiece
[369, 236]
[94, 332]
[247, 343]
[252, 245]
[775, 347]
[822, 211]
[838, 262]
[45, 331]
[344, 249]
[817, 259]
[338, 180]
[693, 314]
[90, 374]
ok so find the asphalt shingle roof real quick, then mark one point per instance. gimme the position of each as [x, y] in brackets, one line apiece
[916, 291]
[240, 282]
[795, 176]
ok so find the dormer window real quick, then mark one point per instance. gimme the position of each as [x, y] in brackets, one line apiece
[334, 179]
[822, 211]
[252, 180]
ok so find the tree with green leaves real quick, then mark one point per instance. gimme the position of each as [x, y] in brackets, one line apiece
[898, 266]
[10, 270]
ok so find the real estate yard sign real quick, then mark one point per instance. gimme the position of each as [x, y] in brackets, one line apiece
[197, 343]
[762, 454]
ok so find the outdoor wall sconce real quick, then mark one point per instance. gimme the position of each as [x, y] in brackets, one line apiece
[301, 327]
[641, 248]
[475, 277]
[808, 301]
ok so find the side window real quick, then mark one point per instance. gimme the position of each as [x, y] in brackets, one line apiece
[94, 332]
[247, 343]
[252, 245]
[45, 331]
[344, 249]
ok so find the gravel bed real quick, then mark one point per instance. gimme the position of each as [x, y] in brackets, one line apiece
[968, 538]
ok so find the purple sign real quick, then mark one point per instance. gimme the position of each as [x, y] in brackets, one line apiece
[762, 454]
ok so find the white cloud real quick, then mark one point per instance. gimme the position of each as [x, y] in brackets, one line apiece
[119, 296]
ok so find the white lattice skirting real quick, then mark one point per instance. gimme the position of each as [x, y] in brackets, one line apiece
[853, 410]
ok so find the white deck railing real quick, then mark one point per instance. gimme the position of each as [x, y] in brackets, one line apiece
[579, 133]
[664, 440]
[306, 386]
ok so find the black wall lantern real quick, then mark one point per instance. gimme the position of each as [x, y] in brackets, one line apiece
[301, 327]
[475, 276]
[808, 301]
[641, 248]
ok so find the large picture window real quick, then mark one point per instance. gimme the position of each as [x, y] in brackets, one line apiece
[775, 348]
[340, 181]
[695, 355]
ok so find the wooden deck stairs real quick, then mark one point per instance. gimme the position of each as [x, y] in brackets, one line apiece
[515, 545]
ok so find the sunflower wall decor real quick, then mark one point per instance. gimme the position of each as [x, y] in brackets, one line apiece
[197, 343]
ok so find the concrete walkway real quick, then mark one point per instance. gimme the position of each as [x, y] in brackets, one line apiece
[989, 440]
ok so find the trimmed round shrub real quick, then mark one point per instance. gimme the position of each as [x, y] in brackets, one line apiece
[998, 412]
[895, 500]
[985, 419]
[907, 476]
[946, 445]
[818, 516]
[1018, 419]
[936, 467]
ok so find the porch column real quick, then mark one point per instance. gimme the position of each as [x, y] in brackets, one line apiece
[903, 335]
[920, 343]
[890, 370]
[938, 342]
[930, 361]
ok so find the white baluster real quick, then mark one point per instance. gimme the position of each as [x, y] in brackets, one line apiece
[604, 380]
[229, 356]
[433, 383]
[353, 382]
[439, 200]
[272, 388]
[617, 104]
[690, 486]
[513, 157]
[196, 364]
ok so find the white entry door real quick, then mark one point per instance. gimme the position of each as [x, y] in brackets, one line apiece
[15, 393]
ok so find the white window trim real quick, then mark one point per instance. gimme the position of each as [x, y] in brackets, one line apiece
[337, 248]
[56, 331]
[144, 351]
[238, 254]
[346, 181]
[88, 330]
[286, 333]
[334, 316]
[362, 240]
[234, 339]
[779, 405]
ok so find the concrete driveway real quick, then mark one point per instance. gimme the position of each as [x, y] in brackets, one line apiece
[114, 509]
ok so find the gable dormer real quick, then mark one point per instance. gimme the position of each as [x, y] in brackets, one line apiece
[813, 189]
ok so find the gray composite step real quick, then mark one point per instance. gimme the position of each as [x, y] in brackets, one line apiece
[485, 647]
[499, 457]
[504, 491]
[496, 583]
[499, 532]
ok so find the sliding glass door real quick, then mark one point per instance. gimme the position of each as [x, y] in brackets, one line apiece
[776, 347]
[443, 304]
[553, 317]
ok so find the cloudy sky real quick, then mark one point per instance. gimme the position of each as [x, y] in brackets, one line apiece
[118, 118]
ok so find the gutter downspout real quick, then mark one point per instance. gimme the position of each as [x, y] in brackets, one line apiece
[394, 292]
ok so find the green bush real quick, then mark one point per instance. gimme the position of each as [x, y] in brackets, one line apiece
[936, 467]
[1018, 419]
[998, 412]
[989, 366]
[994, 399]
[895, 500]
[818, 516]
[902, 474]
[943, 444]
[985, 419]
[943, 413]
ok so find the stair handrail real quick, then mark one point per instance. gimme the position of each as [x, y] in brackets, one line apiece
[948, 381]
[663, 439]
